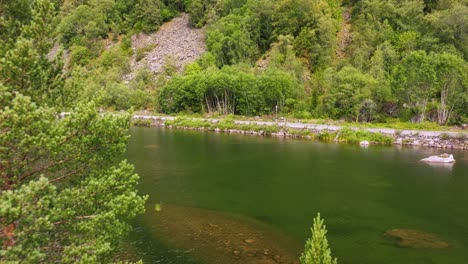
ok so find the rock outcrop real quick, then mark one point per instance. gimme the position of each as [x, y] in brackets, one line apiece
[411, 238]
[444, 158]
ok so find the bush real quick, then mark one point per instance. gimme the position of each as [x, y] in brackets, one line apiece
[115, 58]
[126, 45]
[302, 115]
[117, 95]
[79, 55]
[140, 99]
[326, 136]
[141, 52]
[356, 136]
[142, 122]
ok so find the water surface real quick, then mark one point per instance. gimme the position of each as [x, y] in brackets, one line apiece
[282, 184]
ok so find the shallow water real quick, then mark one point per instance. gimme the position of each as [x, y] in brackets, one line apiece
[282, 184]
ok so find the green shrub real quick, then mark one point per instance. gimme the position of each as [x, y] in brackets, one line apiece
[167, 14]
[140, 99]
[326, 136]
[117, 95]
[300, 132]
[355, 136]
[115, 58]
[126, 45]
[79, 55]
[226, 123]
[142, 122]
[302, 115]
[141, 52]
[316, 249]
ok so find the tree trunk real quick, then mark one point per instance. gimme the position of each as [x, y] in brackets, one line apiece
[423, 111]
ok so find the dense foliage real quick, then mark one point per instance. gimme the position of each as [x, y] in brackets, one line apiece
[365, 61]
[64, 195]
[402, 59]
[230, 90]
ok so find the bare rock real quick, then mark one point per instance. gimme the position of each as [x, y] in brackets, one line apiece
[412, 238]
[174, 39]
[249, 241]
[443, 158]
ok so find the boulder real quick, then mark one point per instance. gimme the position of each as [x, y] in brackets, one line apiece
[443, 158]
[364, 143]
[412, 238]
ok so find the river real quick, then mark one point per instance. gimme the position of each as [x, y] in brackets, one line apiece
[246, 199]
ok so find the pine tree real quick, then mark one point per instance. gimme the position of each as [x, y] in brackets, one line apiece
[65, 196]
[316, 250]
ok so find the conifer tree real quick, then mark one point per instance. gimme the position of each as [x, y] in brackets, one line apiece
[316, 250]
[65, 196]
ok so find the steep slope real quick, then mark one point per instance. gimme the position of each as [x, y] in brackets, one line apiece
[343, 37]
[174, 39]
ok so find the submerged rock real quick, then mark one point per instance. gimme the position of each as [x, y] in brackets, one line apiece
[412, 238]
[443, 158]
[218, 237]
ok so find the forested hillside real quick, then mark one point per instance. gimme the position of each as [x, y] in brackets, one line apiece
[65, 194]
[365, 61]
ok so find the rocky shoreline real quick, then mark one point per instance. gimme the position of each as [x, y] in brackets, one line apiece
[430, 139]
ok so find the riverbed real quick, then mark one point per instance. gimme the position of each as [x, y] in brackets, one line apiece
[241, 199]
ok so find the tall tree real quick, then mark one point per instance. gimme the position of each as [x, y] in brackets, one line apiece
[317, 39]
[452, 84]
[348, 90]
[230, 40]
[450, 26]
[413, 81]
[28, 66]
[64, 195]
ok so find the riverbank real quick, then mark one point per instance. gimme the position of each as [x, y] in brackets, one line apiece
[334, 133]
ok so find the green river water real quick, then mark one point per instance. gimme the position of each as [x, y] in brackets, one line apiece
[276, 186]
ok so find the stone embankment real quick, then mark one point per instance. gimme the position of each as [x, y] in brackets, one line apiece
[432, 139]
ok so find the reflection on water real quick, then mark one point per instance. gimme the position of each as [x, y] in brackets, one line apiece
[282, 184]
[442, 168]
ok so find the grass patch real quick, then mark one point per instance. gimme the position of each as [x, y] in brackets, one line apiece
[225, 124]
[326, 136]
[349, 135]
[188, 122]
[142, 122]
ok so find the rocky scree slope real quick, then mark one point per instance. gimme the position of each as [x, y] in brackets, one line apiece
[174, 39]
